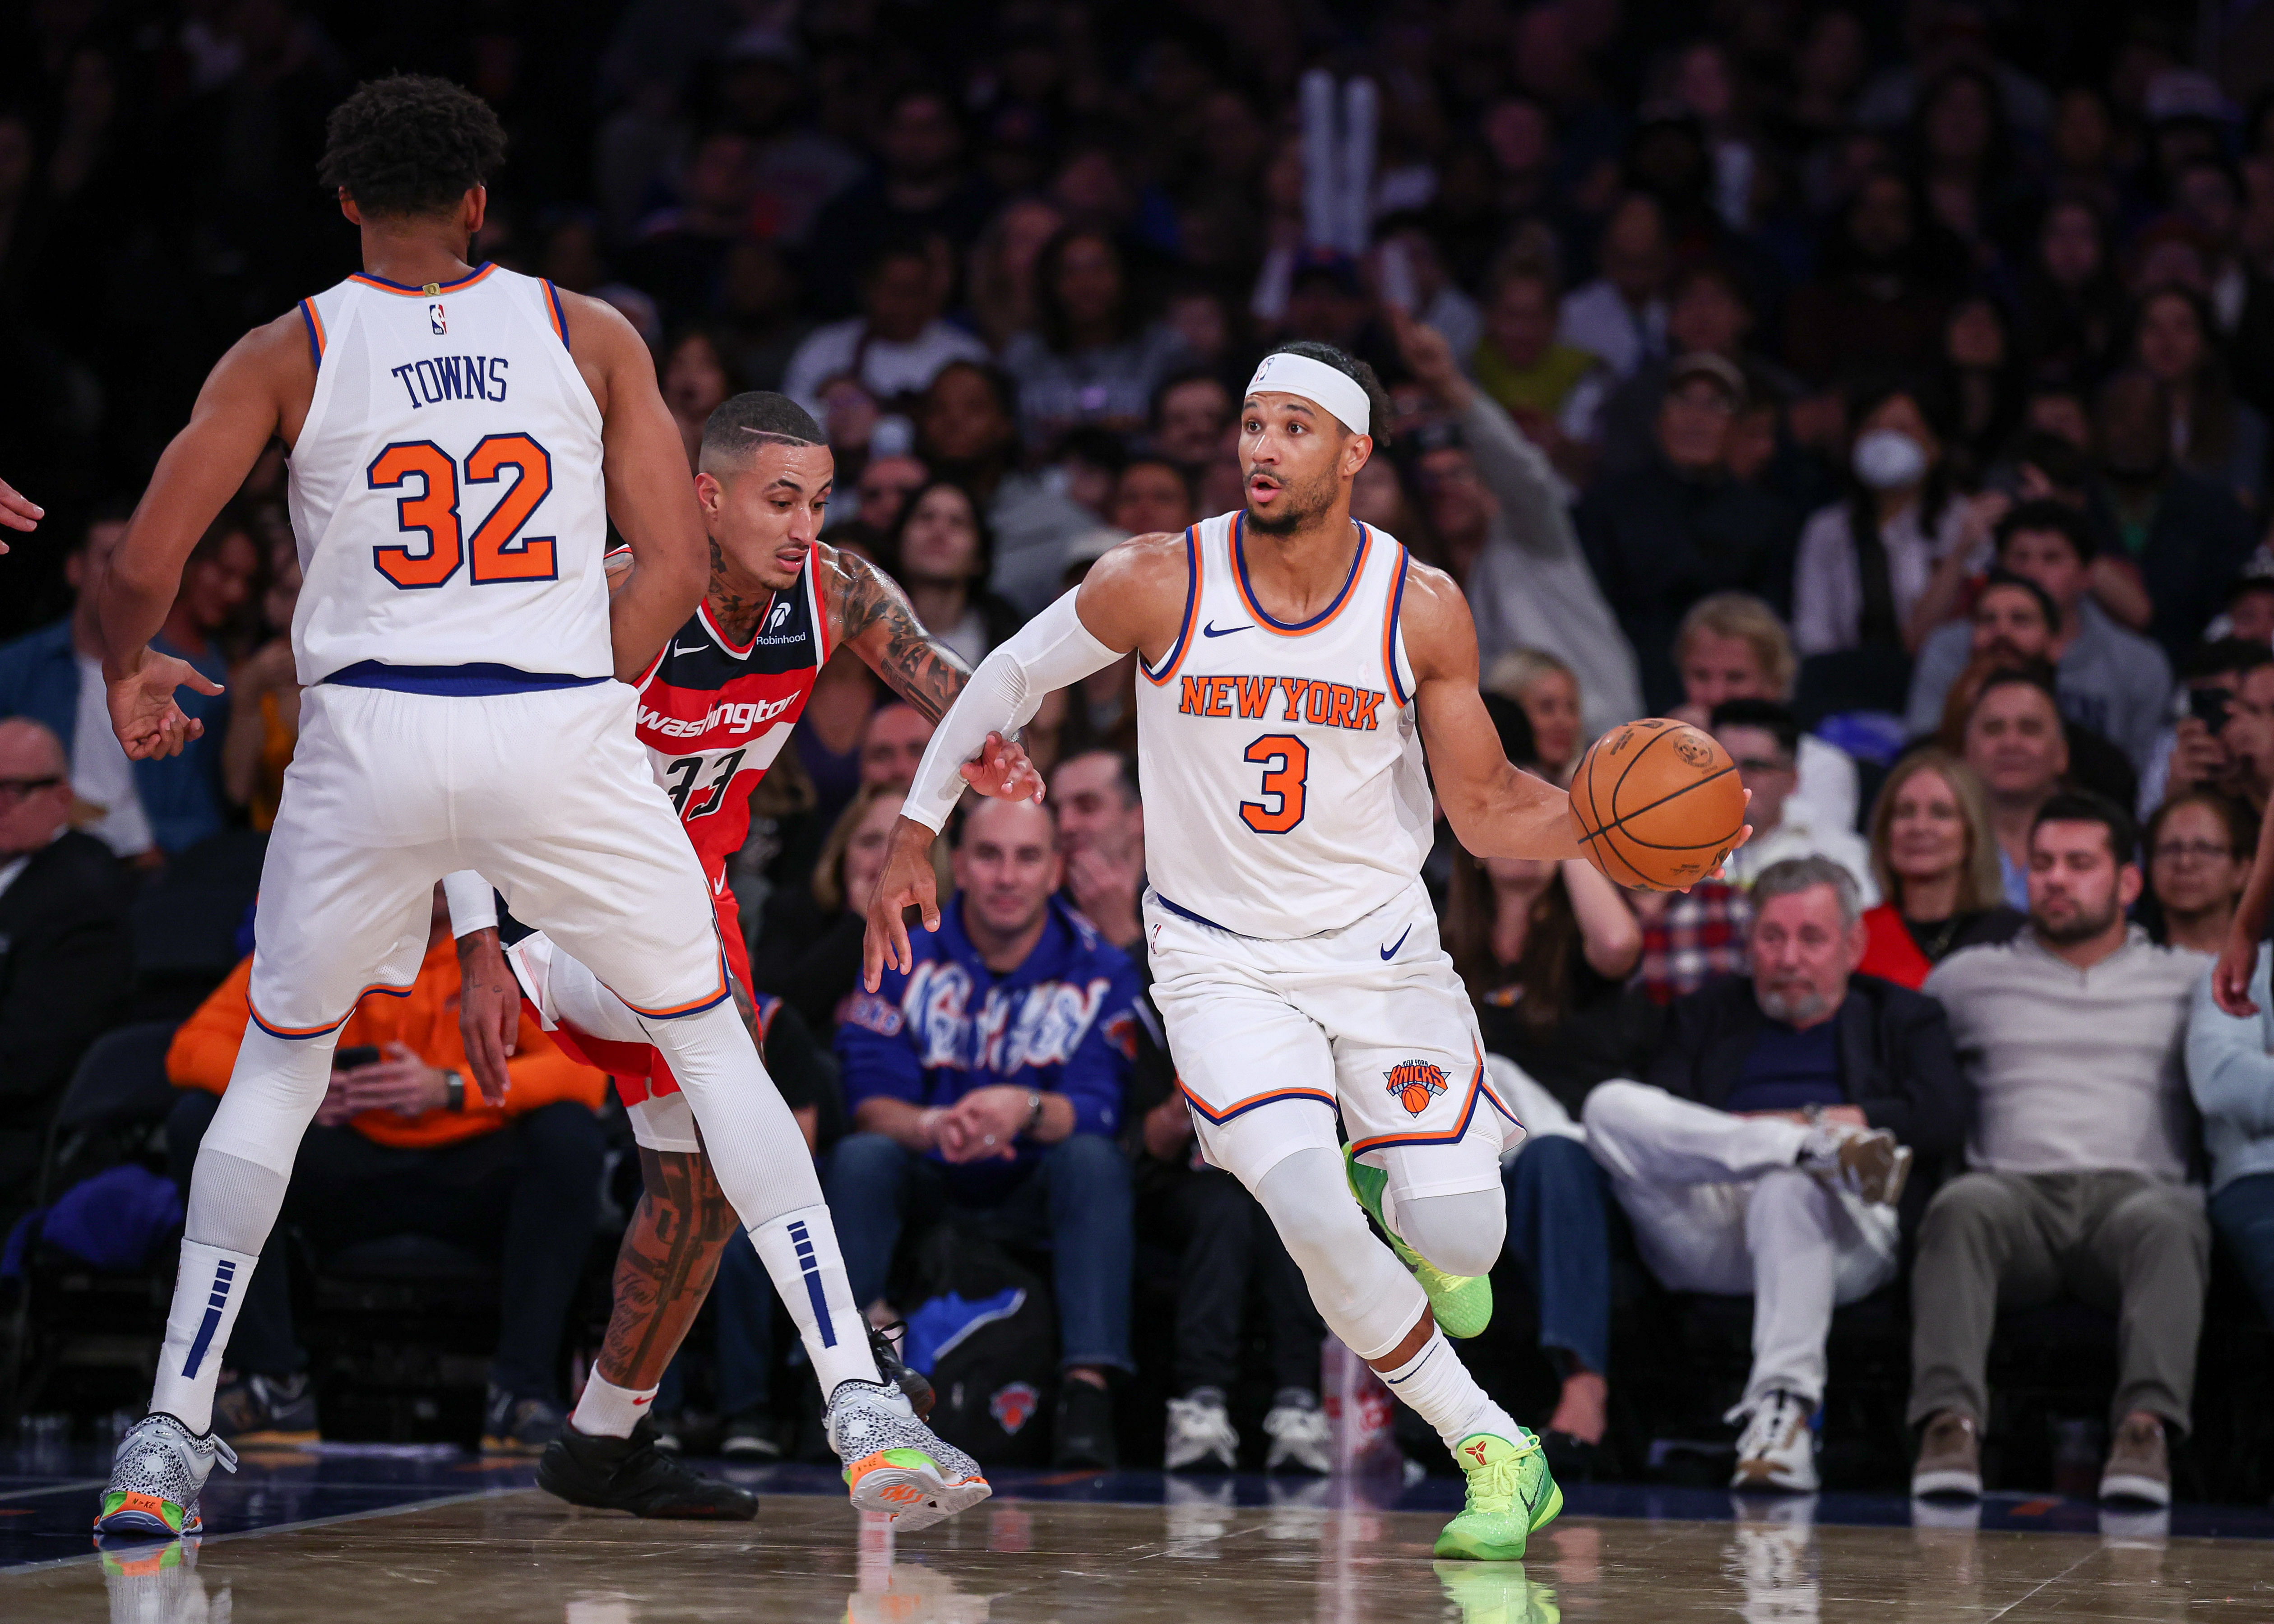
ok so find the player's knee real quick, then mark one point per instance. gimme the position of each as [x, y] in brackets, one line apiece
[1461, 1233]
[1309, 1203]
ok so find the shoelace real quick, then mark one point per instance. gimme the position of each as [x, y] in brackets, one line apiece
[1494, 1488]
[1765, 1421]
[1217, 1423]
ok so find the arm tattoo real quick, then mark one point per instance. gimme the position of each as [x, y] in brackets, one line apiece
[873, 613]
[664, 1269]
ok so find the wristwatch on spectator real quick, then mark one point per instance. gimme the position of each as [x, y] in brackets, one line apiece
[455, 1100]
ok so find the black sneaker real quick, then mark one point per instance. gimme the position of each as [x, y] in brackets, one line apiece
[1084, 1434]
[512, 1425]
[254, 1410]
[893, 1369]
[631, 1474]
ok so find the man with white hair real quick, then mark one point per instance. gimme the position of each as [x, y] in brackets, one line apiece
[1768, 1148]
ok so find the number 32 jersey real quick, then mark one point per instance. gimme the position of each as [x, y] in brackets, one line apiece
[1285, 792]
[713, 714]
[446, 487]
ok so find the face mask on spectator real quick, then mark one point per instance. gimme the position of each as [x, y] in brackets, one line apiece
[1888, 459]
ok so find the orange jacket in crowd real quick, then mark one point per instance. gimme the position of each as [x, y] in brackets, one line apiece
[205, 1051]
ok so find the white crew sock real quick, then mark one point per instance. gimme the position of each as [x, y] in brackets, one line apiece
[800, 1252]
[606, 1411]
[1439, 1387]
[208, 1289]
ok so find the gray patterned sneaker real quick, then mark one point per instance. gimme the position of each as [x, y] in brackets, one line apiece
[154, 1478]
[893, 1462]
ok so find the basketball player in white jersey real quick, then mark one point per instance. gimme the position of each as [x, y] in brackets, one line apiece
[460, 436]
[1294, 662]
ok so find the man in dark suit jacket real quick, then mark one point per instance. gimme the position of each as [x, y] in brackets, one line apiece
[65, 968]
[1768, 1150]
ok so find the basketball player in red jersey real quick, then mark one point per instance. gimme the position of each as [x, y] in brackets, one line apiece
[715, 709]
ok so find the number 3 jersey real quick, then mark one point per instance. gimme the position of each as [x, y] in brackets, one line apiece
[713, 713]
[446, 488]
[1284, 787]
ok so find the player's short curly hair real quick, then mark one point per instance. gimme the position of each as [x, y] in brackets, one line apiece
[410, 145]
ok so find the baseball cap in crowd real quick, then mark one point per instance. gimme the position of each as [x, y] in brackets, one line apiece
[1716, 369]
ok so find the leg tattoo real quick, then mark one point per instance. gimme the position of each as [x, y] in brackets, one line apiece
[664, 1269]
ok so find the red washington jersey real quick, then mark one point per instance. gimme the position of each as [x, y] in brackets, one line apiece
[713, 714]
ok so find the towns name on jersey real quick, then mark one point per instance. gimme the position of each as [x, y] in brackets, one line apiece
[735, 718]
[452, 377]
[1329, 704]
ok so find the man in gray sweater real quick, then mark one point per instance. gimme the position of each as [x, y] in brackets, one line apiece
[2073, 1036]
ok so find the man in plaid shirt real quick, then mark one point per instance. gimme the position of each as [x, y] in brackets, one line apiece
[1689, 938]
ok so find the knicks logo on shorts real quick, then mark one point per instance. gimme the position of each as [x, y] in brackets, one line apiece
[1414, 1083]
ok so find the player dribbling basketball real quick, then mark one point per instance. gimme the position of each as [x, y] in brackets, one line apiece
[1294, 663]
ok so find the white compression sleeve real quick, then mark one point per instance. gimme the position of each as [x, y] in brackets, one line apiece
[1050, 651]
[473, 905]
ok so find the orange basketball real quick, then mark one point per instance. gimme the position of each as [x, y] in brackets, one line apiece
[1657, 803]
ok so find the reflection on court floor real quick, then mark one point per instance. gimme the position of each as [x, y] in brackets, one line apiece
[300, 1539]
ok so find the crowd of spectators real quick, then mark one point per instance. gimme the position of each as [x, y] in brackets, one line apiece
[1882, 388]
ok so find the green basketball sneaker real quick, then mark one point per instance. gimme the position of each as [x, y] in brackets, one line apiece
[1462, 1303]
[1496, 1593]
[1511, 1497]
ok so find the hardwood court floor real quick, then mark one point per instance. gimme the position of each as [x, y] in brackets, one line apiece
[516, 1556]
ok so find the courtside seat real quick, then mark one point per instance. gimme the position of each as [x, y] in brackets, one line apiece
[186, 922]
[80, 1336]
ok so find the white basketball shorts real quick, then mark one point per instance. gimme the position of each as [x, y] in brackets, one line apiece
[1272, 1039]
[546, 793]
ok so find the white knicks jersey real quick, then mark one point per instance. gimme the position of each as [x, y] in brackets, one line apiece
[1285, 789]
[446, 492]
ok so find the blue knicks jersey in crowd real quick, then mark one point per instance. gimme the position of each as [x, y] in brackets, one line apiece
[1066, 1021]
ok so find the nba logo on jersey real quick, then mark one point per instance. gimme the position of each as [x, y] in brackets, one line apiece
[435, 319]
[1414, 1083]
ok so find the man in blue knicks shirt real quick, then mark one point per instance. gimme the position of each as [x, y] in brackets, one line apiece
[989, 1081]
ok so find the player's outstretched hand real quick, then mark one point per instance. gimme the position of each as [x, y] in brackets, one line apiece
[1004, 771]
[489, 1010]
[1720, 870]
[2230, 978]
[907, 881]
[143, 713]
[18, 511]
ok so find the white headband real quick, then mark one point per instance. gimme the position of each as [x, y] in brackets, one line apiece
[1317, 382]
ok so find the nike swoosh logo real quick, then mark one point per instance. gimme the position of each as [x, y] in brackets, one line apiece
[638, 1401]
[680, 648]
[1210, 630]
[1392, 951]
